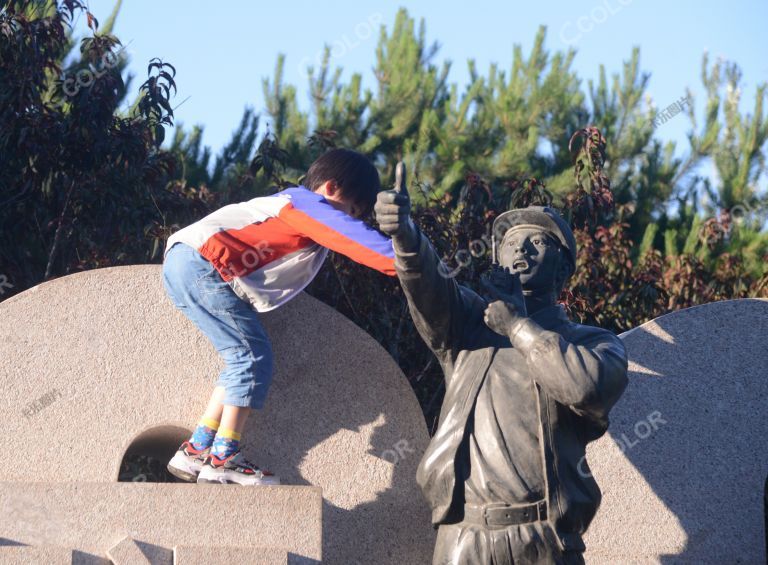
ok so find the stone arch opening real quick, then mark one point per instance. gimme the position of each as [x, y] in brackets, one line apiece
[147, 455]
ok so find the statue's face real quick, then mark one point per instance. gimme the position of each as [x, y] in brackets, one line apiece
[535, 255]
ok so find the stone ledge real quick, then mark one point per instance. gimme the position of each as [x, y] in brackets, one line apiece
[95, 517]
[50, 555]
[129, 551]
[189, 555]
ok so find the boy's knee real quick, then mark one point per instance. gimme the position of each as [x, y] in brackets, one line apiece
[261, 353]
[258, 392]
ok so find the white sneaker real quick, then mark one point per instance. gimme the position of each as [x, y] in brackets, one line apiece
[187, 462]
[234, 469]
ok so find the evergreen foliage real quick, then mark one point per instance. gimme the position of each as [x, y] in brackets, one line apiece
[86, 184]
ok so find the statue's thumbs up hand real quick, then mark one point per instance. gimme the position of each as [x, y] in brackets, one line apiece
[393, 213]
[401, 185]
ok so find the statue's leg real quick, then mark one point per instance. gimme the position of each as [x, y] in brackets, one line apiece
[526, 544]
[462, 544]
[573, 558]
[536, 543]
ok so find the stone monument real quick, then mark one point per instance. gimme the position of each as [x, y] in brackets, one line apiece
[99, 364]
[683, 466]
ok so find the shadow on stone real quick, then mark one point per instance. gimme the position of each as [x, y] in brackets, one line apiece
[83, 558]
[684, 462]
[9, 542]
[346, 537]
[155, 553]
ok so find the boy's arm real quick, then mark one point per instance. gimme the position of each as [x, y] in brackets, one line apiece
[339, 232]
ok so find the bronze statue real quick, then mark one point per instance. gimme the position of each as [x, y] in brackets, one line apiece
[526, 390]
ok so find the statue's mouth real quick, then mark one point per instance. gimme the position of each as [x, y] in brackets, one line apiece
[520, 265]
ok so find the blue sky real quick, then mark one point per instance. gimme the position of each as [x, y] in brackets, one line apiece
[223, 51]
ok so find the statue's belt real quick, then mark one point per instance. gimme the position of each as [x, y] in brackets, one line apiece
[500, 514]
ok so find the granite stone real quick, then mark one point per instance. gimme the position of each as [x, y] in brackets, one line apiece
[100, 364]
[30, 555]
[190, 555]
[129, 551]
[133, 523]
[684, 463]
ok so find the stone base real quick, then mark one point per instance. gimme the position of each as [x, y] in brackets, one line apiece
[30, 555]
[188, 555]
[129, 522]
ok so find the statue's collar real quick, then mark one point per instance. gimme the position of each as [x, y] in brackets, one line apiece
[550, 316]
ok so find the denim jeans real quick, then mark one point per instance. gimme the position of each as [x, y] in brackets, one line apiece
[231, 324]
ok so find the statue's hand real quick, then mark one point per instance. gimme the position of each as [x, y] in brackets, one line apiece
[393, 212]
[508, 302]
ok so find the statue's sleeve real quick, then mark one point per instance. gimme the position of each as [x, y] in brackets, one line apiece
[587, 372]
[435, 299]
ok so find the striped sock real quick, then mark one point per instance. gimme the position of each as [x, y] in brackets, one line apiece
[226, 443]
[204, 433]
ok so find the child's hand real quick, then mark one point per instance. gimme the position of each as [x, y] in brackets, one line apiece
[393, 212]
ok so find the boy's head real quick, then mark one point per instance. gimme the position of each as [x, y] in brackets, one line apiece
[347, 179]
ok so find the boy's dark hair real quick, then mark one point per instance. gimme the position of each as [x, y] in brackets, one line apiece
[353, 172]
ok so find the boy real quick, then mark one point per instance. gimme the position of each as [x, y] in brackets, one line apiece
[253, 257]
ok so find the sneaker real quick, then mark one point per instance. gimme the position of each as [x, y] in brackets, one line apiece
[187, 462]
[234, 469]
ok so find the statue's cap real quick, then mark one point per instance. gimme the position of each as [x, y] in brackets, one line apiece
[544, 217]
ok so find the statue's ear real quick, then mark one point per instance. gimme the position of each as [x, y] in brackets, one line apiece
[563, 270]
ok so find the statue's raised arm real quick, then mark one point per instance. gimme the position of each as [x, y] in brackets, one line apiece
[438, 305]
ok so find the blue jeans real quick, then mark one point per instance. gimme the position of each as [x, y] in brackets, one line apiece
[196, 288]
